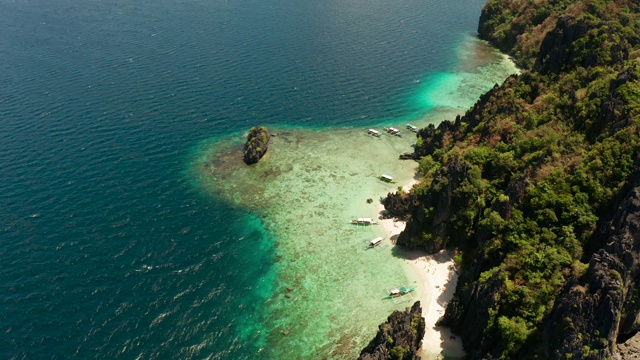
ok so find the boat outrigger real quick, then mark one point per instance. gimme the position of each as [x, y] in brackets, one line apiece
[363, 221]
[398, 294]
[375, 242]
[392, 131]
[400, 291]
[386, 178]
[412, 128]
[373, 132]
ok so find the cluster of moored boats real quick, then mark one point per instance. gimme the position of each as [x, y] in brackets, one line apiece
[400, 291]
[365, 222]
[392, 131]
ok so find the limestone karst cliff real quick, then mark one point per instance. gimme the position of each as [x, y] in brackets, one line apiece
[399, 337]
[537, 186]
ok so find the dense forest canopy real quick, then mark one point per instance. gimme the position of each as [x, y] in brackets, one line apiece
[530, 186]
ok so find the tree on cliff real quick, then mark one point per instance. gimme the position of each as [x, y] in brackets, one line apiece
[526, 182]
[399, 338]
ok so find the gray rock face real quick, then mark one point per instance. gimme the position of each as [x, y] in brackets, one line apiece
[444, 203]
[560, 49]
[596, 315]
[630, 349]
[398, 204]
[592, 313]
[469, 311]
[595, 312]
[399, 337]
[256, 145]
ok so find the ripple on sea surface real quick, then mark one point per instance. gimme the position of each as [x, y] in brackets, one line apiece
[107, 247]
[307, 188]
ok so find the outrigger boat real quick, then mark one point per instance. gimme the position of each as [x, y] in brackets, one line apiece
[386, 178]
[412, 128]
[406, 156]
[400, 291]
[393, 131]
[363, 221]
[375, 242]
[373, 132]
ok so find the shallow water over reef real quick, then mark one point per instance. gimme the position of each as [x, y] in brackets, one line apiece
[308, 188]
[116, 119]
[329, 291]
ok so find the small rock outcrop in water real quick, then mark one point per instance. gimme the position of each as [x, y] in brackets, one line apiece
[257, 144]
[399, 337]
[398, 204]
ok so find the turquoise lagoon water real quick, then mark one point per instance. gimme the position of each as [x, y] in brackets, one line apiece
[129, 227]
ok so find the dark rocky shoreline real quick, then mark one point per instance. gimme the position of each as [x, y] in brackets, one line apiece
[399, 337]
[591, 310]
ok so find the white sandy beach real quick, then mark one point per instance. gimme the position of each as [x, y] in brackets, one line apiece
[438, 278]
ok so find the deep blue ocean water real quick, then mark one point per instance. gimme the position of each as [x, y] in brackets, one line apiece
[107, 247]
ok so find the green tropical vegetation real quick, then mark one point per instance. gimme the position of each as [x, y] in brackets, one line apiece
[519, 183]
